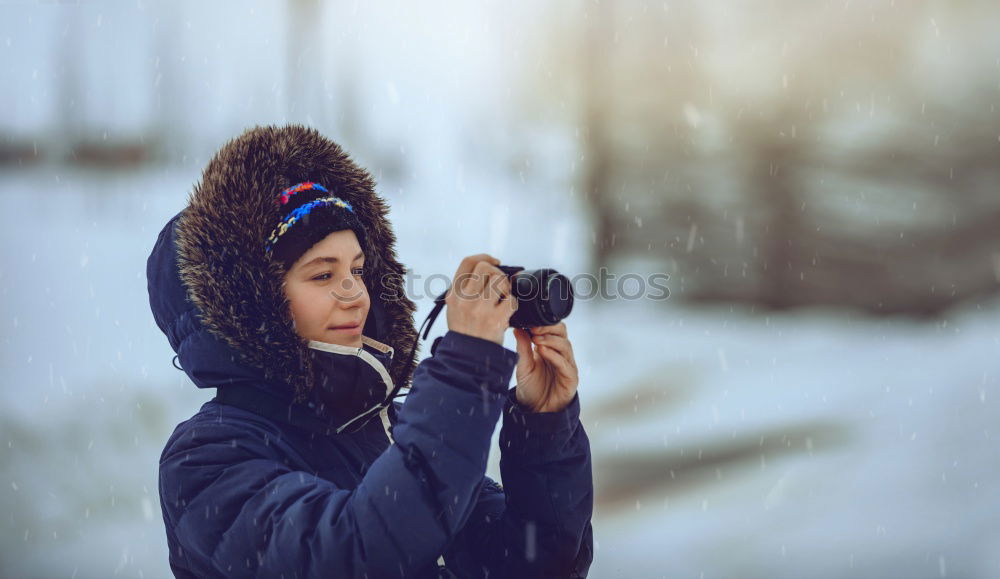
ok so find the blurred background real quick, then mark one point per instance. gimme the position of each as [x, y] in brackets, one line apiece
[817, 398]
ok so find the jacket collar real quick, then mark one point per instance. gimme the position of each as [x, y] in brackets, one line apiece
[371, 361]
[360, 351]
[360, 394]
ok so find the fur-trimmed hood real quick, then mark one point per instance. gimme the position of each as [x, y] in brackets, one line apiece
[217, 295]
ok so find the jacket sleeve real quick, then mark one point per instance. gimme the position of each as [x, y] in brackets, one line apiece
[238, 511]
[538, 523]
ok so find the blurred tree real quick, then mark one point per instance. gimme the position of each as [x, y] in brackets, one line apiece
[624, 74]
[790, 154]
[595, 73]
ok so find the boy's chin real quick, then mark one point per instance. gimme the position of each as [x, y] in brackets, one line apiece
[335, 337]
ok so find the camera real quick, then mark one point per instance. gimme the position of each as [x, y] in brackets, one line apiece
[544, 296]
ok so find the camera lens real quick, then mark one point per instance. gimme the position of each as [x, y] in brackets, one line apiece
[544, 296]
[560, 296]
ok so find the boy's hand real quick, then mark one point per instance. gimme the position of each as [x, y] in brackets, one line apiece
[479, 301]
[547, 376]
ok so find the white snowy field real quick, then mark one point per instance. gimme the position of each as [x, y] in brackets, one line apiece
[821, 445]
[726, 443]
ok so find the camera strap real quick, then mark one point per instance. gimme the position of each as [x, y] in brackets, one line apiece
[429, 320]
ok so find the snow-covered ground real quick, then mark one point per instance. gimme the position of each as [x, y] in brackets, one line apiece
[726, 443]
[820, 445]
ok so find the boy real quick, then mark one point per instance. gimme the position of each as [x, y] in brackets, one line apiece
[278, 285]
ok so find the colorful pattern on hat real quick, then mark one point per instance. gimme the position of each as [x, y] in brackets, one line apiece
[300, 212]
[307, 186]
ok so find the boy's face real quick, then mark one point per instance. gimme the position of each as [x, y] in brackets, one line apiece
[325, 290]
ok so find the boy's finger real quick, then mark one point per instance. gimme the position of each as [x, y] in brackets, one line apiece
[523, 345]
[556, 359]
[472, 284]
[557, 343]
[468, 264]
[557, 329]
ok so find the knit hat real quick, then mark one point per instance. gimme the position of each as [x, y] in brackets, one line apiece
[309, 213]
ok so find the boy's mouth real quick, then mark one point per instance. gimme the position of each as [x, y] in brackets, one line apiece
[354, 328]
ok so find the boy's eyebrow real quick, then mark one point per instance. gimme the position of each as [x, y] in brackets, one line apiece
[330, 259]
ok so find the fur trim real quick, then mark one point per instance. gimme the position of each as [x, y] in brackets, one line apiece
[238, 289]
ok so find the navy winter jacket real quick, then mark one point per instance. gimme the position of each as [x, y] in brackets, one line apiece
[259, 483]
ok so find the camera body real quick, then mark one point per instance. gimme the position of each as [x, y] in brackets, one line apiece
[544, 296]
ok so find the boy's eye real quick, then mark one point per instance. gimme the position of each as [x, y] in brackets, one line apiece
[326, 276]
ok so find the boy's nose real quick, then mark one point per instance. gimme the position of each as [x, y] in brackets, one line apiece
[348, 291]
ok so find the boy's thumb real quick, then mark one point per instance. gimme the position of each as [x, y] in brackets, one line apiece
[523, 345]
